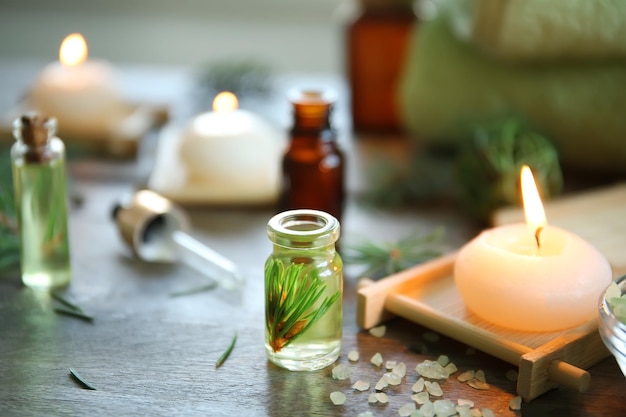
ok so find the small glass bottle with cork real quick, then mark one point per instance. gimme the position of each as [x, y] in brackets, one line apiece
[39, 180]
[313, 165]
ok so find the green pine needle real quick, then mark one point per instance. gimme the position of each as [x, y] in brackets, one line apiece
[292, 295]
[81, 380]
[382, 259]
[226, 353]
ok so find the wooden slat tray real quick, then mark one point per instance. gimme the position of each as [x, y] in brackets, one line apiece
[426, 294]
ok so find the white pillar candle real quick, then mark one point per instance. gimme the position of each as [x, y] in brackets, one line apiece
[234, 151]
[80, 93]
[531, 277]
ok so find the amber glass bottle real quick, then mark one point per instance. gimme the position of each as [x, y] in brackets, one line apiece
[313, 165]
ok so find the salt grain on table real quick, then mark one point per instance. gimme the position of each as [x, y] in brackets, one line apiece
[516, 403]
[444, 408]
[462, 401]
[450, 368]
[377, 359]
[341, 372]
[480, 375]
[428, 409]
[433, 388]
[378, 331]
[393, 379]
[382, 397]
[366, 414]
[478, 384]
[407, 409]
[431, 369]
[381, 384]
[421, 397]
[418, 386]
[372, 399]
[361, 385]
[353, 356]
[399, 369]
[390, 364]
[466, 376]
[338, 398]
[443, 360]
[487, 412]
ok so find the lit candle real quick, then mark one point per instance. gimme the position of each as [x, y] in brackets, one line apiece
[234, 152]
[80, 93]
[531, 277]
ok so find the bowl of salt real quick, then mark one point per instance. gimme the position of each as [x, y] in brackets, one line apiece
[612, 323]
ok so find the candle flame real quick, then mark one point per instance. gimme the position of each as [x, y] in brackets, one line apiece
[73, 50]
[225, 102]
[533, 208]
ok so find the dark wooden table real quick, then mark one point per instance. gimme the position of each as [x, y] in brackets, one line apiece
[149, 353]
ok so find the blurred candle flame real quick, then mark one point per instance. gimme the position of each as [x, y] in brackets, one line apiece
[225, 102]
[533, 208]
[73, 50]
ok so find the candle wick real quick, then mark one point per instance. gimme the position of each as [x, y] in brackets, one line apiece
[537, 235]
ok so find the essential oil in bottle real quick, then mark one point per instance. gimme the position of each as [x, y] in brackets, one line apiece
[39, 180]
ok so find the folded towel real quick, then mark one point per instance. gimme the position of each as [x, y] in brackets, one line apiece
[447, 85]
[544, 29]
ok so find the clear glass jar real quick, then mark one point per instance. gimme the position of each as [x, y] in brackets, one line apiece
[39, 179]
[303, 290]
[612, 330]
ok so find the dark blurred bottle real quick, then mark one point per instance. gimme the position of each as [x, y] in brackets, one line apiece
[376, 41]
[313, 165]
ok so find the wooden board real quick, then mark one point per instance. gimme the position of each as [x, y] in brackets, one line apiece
[598, 216]
[426, 294]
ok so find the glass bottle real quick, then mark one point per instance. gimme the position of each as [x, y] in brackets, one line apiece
[38, 165]
[303, 290]
[313, 165]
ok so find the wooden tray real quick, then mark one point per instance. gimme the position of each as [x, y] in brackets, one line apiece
[426, 294]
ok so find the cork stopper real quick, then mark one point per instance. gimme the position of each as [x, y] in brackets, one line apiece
[34, 130]
[311, 107]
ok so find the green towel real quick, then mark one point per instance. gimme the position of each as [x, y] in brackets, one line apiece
[448, 86]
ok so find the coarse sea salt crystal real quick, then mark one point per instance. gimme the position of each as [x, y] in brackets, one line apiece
[466, 376]
[478, 384]
[428, 409]
[516, 403]
[399, 369]
[372, 398]
[443, 360]
[378, 331]
[421, 397]
[341, 372]
[338, 398]
[353, 356]
[431, 369]
[393, 379]
[365, 414]
[418, 386]
[382, 397]
[361, 385]
[450, 368]
[462, 402]
[382, 383]
[377, 359]
[390, 364]
[444, 408]
[406, 409]
[480, 375]
[433, 389]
